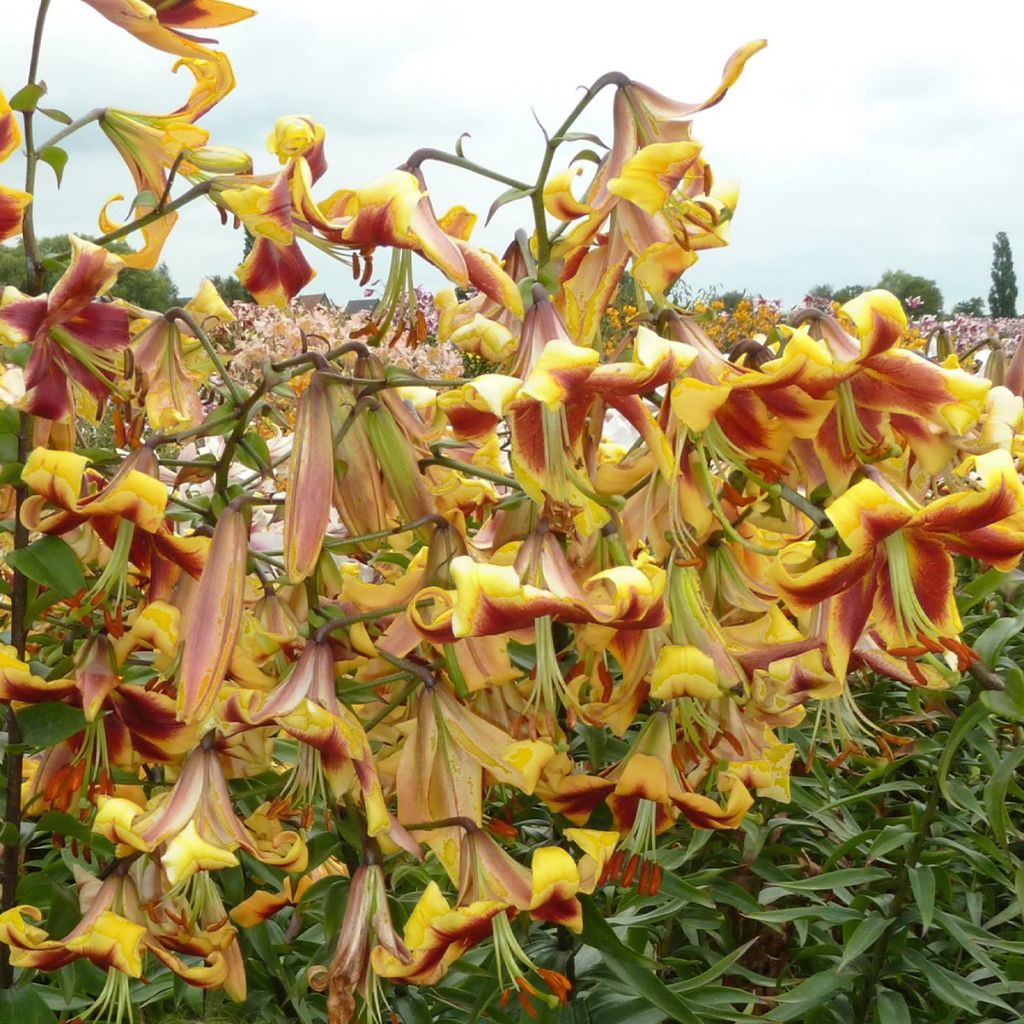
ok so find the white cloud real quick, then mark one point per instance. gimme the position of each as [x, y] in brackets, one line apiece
[866, 137]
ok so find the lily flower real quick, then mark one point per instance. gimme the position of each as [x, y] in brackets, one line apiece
[878, 388]
[10, 133]
[490, 599]
[395, 211]
[12, 201]
[440, 770]
[306, 706]
[650, 794]
[161, 26]
[436, 935]
[262, 905]
[196, 825]
[72, 335]
[367, 921]
[548, 890]
[12, 209]
[168, 389]
[105, 938]
[899, 572]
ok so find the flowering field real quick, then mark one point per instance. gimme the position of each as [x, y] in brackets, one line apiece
[542, 648]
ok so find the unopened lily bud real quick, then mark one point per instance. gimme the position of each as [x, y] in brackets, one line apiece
[307, 507]
[216, 617]
[96, 676]
[1014, 379]
[220, 160]
[399, 465]
[294, 135]
[995, 365]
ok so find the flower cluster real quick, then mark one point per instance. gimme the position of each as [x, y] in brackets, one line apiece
[604, 585]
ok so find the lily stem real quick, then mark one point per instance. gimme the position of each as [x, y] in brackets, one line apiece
[441, 157]
[19, 582]
[70, 129]
[537, 199]
[154, 215]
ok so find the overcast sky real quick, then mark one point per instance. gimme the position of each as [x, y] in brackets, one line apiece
[866, 136]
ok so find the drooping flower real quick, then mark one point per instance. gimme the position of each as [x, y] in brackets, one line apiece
[72, 335]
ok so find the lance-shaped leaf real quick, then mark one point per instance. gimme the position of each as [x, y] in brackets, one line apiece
[216, 618]
[307, 506]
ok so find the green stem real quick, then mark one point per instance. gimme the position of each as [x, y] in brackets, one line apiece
[177, 313]
[465, 467]
[441, 157]
[390, 706]
[154, 215]
[540, 221]
[19, 583]
[93, 115]
[347, 620]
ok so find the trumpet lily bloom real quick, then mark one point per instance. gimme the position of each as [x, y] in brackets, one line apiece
[196, 825]
[899, 573]
[72, 335]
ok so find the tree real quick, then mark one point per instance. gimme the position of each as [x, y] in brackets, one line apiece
[230, 288]
[843, 294]
[919, 295]
[149, 289]
[974, 306]
[1002, 298]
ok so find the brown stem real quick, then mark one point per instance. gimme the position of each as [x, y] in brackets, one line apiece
[19, 583]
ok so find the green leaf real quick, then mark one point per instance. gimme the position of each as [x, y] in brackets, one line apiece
[951, 988]
[1009, 702]
[43, 725]
[144, 199]
[57, 158]
[253, 452]
[580, 137]
[510, 195]
[56, 115]
[864, 936]
[8, 448]
[27, 97]
[25, 1005]
[922, 883]
[715, 971]
[836, 879]
[50, 563]
[992, 641]
[60, 823]
[632, 969]
[995, 794]
[891, 1008]
[980, 587]
[964, 724]
[1018, 885]
[809, 993]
